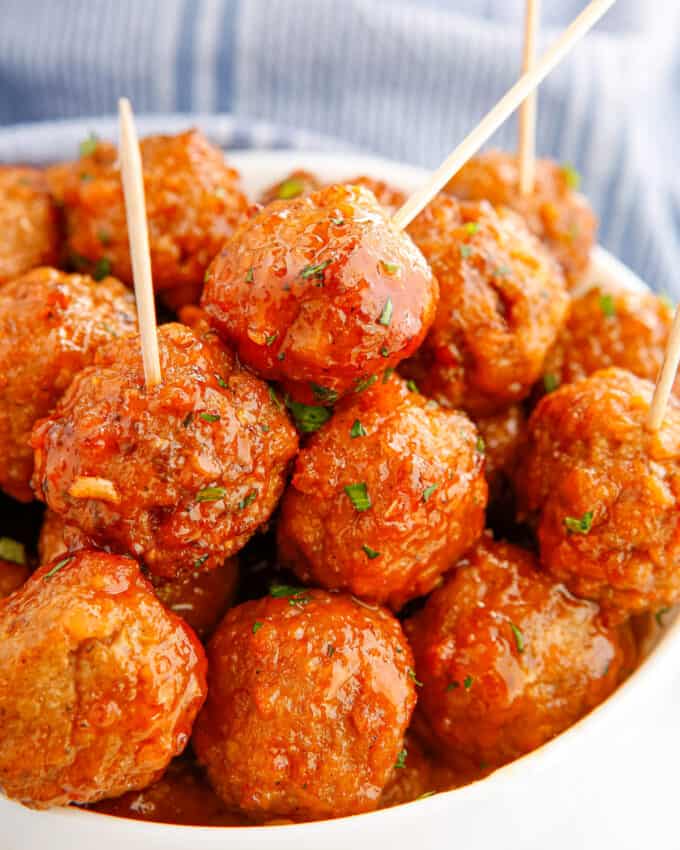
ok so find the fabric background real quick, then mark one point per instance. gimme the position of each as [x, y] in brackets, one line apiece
[402, 78]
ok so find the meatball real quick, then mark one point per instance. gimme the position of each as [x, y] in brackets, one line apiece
[554, 211]
[51, 325]
[181, 796]
[610, 327]
[28, 222]
[310, 696]
[503, 302]
[508, 658]
[321, 293]
[193, 203]
[385, 497]
[503, 435]
[181, 474]
[98, 682]
[605, 491]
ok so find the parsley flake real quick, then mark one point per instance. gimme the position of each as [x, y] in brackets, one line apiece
[358, 495]
[221, 382]
[412, 386]
[467, 681]
[338, 221]
[330, 650]
[607, 306]
[465, 251]
[579, 526]
[104, 237]
[387, 374]
[294, 595]
[58, 566]
[89, 145]
[412, 675]
[275, 399]
[452, 686]
[480, 445]
[270, 340]
[357, 430]
[102, 268]
[257, 625]
[401, 759]
[391, 268]
[247, 500]
[211, 494]
[324, 393]
[386, 315]
[198, 563]
[519, 639]
[371, 554]
[550, 382]
[188, 419]
[659, 616]
[471, 227]
[365, 383]
[384, 351]
[308, 417]
[209, 417]
[315, 270]
[290, 188]
[12, 551]
[428, 491]
[250, 274]
[571, 176]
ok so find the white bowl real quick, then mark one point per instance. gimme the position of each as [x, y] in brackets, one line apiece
[606, 782]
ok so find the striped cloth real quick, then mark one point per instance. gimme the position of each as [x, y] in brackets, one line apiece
[402, 78]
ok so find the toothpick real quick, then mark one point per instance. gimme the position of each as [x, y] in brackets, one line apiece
[138, 235]
[664, 383]
[501, 111]
[527, 112]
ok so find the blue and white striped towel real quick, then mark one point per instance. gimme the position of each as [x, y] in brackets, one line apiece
[403, 78]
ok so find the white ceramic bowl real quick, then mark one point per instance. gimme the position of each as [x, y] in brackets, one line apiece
[607, 782]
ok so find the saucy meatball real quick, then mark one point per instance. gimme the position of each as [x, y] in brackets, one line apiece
[51, 325]
[605, 491]
[321, 293]
[507, 658]
[310, 696]
[28, 222]
[503, 435]
[610, 327]
[385, 497]
[181, 796]
[98, 682]
[181, 474]
[193, 203]
[555, 212]
[200, 597]
[503, 302]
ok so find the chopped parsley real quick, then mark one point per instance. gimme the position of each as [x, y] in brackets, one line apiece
[371, 554]
[387, 374]
[357, 430]
[412, 386]
[102, 268]
[308, 417]
[365, 383]
[386, 315]
[211, 494]
[452, 686]
[58, 566]
[390, 268]
[275, 399]
[290, 188]
[465, 251]
[384, 351]
[550, 382]
[330, 650]
[659, 616]
[426, 795]
[315, 270]
[571, 176]
[104, 237]
[89, 145]
[579, 526]
[358, 495]
[12, 551]
[250, 275]
[338, 221]
[324, 393]
[428, 491]
[294, 595]
[188, 419]
[471, 227]
[480, 445]
[519, 637]
[221, 382]
[257, 625]
[270, 340]
[247, 500]
[198, 563]
[401, 759]
[608, 306]
[209, 417]
[412, 675]
[467, 681]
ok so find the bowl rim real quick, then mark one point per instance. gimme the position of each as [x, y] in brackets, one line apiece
[260, 168]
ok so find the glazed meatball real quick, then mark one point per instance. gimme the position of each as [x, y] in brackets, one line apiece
[385, 497]
[321, 293]
[503, 435]
[51, 325]
[310, 696]
[554, 211]
[605, 491]
[181, 474]
[297, 184]
[181, 796]
[503, 302]
[508, 658]
[200, 597]
[28, 222]
[14, 568]
[98, 682]
[193, 203]
[610, 327]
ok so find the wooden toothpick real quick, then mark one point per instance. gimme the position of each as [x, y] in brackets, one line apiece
[664, 383]
[501, 111]
[527, 112]
[138, 235]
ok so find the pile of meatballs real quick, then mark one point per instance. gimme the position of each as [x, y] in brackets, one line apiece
[391, 519]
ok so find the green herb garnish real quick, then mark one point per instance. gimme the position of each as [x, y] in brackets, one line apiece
[608, 306]
[401, 759]
[250, 274]
[270, 340]
[357, 430]
[467, 681]
[324, 393]
[365, 383]
[519, 637]
[465, 251]
[257, 625]
[659, 616]
[247, 500]
[211, 494]
[412, 386]
[550, 382]
[579, 526]
[198, 563]
[275, 399]
[294, 595]
[471, 227]
[480, 445]
[386, 315]
[290, 188]
[308, 417]
[412, 675]
[315, 270]
[428, 491]
[358, 495]
[330, 650]
[12, 551]
[89, 145]
[102, 268]
[387, 374]
[58, 566]
[571, 175]
[221, 382]
[209, 417]
[390, 268]
[371, 554]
